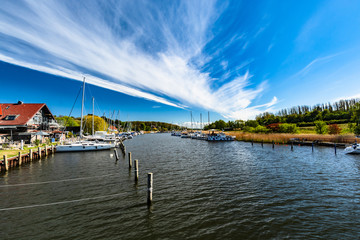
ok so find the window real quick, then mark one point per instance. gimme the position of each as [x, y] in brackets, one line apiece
[10, 117]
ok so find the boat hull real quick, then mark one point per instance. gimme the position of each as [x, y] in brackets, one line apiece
[82, 148]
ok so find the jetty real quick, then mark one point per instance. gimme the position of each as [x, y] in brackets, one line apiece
[34, 154]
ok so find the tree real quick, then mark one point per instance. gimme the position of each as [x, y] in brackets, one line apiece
[99, 124]
[320, 127]
[288, 128]
[334, 129]
[68, 121]
[142, 126]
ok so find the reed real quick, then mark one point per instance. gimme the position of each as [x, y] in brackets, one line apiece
[286, 137]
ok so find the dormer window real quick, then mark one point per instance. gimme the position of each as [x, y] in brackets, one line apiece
[10, 117]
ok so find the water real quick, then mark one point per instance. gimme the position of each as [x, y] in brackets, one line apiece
[202, 190]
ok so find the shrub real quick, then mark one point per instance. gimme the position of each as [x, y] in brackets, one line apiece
[261, 129]
[334, 129]
[275, 127]
[37, 142]
[288, 128]
[320, 127]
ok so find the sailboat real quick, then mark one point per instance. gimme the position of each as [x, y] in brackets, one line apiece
[81, 146]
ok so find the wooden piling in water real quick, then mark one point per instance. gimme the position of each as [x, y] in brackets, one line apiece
[30, 155]
[136, 171]
[335, 148]
[6, 163]
[20, 160]
[292, 146]
[262, 143]
[150, 188]
[252, 142]
[273, 144]
[39, 152]
[312, 146]
[116, 155]
[130, 162]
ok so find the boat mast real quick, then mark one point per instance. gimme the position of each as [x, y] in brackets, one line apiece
[93, 118]
[82, 109]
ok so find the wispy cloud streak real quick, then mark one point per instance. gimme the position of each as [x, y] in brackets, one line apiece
[140, 51]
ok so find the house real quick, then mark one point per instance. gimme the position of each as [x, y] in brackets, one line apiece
[21, 120]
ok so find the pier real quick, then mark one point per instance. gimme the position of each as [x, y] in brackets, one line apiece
[7, 163]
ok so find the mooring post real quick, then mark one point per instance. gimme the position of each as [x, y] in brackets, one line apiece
[252, 142]
[312, 146]
[130, 163]
[150, 188]
[116, 155]
[273, 144]
[6, 163]
[262, 143]
[39, 152]
[335, 148]
[20, 161]
[292, 145]
[30, 155]
[136, 171]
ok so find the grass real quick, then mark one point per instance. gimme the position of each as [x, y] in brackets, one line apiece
[14, 152]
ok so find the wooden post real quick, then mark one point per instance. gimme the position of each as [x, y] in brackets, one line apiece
[292, 146]
[20, 160]
[6, 163]
[136, 171]
[130, 162]
[46, 149]
[30, 155]
[312, 146]
[116, 155]
[39, 152]
[262, 143]
[273, 144]
[52, 149]
[150, 188]
[335, 148]
[252, 142]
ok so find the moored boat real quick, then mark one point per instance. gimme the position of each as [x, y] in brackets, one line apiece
[353, 149]
[220, 137]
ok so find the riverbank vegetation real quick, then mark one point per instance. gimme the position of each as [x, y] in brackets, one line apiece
[342, 117]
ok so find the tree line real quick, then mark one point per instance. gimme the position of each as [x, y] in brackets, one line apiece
[324, 117]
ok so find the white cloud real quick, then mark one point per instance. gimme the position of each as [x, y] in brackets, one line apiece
[141, 52]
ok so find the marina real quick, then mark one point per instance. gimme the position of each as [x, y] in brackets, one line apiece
[227, 190]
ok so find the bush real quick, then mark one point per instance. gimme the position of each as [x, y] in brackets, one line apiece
[320, 127]
[334, 129]
[274, 127]
[261, 129]
[37, 142]
[288, 128]
[248, 129]
[357, 130]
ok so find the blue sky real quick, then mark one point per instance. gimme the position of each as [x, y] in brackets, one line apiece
[159, 60]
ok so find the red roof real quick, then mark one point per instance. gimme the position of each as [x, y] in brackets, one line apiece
[25, 112]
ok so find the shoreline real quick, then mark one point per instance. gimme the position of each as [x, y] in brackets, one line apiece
[288, 138]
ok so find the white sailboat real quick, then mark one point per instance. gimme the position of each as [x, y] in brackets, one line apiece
[82, 146]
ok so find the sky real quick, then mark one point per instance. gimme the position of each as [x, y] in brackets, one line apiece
[158, 60]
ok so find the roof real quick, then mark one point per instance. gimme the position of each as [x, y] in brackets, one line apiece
[25, 112]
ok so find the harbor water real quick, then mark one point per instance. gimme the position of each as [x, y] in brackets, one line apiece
[202, 190]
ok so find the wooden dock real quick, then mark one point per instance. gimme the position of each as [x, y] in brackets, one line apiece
[34, 154]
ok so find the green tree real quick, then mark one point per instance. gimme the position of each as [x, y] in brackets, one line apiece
[320, 127]
[99, 124]
[68, 121]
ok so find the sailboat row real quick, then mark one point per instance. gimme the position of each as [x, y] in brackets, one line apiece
[99, 140]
